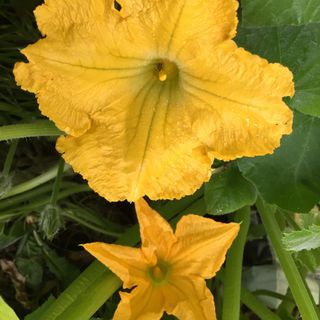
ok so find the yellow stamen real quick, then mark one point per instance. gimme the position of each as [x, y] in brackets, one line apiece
[162, 75]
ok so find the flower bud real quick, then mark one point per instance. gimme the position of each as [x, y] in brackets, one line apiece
[51, 221]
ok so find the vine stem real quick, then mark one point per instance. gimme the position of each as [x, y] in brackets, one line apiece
[40, 128]
[9, 158]
[57, 182]
[35, 182]
[255, 305]
[299, 289]
[233, 270]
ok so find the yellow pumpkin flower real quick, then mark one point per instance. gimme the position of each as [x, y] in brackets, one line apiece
[167, 273]
[150, 92]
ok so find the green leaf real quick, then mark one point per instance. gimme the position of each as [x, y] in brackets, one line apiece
[298, 48]
[6, 313]
[279, 12]
[305, 239]
[309, 259]
[60, 267]
[290, 176]
[228, 191]
[32, 271]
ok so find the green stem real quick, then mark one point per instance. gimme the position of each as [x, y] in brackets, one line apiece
[91, 226]
[233, 270]
[35, 182]
[45, 200]
[9, 158]
[29, 195]
[40, 128]
[273, 294]
[300, 291]
[255, 305]
[57, 182]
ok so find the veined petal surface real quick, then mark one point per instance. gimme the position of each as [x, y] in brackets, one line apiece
[150, 92]
[188, 298]
[156, 233]
[202, 245]
[127, 263]
[143, 303]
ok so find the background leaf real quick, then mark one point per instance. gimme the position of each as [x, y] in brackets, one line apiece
[290, 177]
[280, 12]
[305, 239]
[298, 48]
[228, 191]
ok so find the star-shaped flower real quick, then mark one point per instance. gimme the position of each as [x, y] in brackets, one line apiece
[167, 273]
[150, 92]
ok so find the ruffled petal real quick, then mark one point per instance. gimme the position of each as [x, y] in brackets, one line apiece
[127, 263]
[239, 97]
[142, 144]
[145, 115]
[202, 245]
[142, 303]
[188, 298]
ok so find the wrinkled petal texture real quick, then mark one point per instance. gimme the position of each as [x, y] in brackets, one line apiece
[156, 233]
[129, 132]
[202, 245]
[143, 303]
[127, 263]
[188, 298]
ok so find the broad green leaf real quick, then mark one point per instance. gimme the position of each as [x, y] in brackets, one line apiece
[279, 12]
[305, 239]
[290, 177]
[6, 313]
[228, 191]
[298, 48]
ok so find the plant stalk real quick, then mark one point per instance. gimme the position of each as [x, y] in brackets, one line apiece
[233, 270]
[299, 289]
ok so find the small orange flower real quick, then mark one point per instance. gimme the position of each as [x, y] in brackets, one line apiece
[150, 92]
[167, 273]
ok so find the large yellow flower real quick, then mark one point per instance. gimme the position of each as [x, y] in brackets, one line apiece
[150, 91]
[169, 269]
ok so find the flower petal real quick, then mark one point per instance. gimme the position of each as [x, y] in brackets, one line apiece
[176, 23]
[140, 148]
[156, 233]
[142, 303]
[202, 245]
[127, 263]
[188, 298]
[239, 96]
[81, 66]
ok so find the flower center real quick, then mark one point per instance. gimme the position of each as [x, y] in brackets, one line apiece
[159, 273]
[166, 70]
